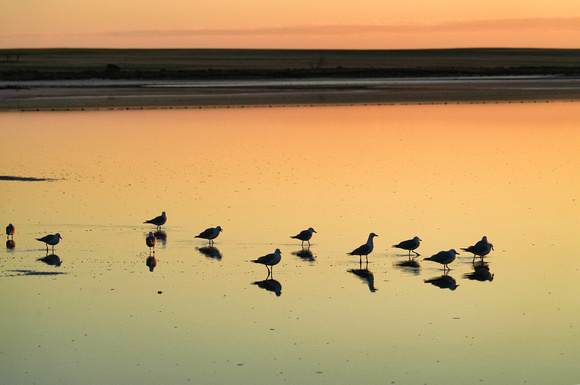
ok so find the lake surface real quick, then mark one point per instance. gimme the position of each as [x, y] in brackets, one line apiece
[449, 174]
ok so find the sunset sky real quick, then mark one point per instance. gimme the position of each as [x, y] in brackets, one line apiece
[340, 24]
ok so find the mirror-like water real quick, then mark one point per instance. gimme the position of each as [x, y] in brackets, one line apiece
[449, 174]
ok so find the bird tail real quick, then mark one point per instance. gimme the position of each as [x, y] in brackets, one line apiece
[464, 249]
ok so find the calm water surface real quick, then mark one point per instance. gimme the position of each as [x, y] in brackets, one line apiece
[449, 174]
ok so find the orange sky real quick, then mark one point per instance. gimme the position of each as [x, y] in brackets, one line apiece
[365, 24]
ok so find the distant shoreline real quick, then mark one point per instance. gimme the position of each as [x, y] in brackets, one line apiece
[54, 96]
[76, 79]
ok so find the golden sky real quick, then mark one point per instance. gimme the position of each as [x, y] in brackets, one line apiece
[364, 24]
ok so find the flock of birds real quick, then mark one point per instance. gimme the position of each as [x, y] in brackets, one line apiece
[479, 249]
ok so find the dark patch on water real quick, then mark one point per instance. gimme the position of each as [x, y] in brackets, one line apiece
[25, 179]
[19, 273]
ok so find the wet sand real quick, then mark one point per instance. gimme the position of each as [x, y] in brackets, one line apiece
[57, 95]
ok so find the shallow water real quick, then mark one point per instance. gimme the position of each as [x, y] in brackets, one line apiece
[448, 174]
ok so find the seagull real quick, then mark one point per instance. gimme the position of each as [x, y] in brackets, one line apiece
[443, 257]
[151, 241]
[158, 221]
[210, 234]
[480, 249]
[51, 239]
[269, 260]
[365, 249]
[305, 235]
[10, 230]
[410, 244]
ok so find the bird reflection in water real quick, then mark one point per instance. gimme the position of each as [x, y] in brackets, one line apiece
[366, 275]
[305, 254]
[270, 285]
[161, 236]
[443, 282]
[51, 259]
[10, 244]
[410, 265]
[481, 272]
[210, 252]
[151, 261]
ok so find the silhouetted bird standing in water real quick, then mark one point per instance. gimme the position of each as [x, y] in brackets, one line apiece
[270, 260]
[158, 221]
[305, 236]
[210, 234]
[51, 239]
[10, 230]
[443, 257]
[480, 249]
[151, 241]
[365, 249]
[409, 245]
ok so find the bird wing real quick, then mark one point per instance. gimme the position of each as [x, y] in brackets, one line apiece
[406, 245]
[205, 233]
[362, 250]
[265, 259]
[46, 238]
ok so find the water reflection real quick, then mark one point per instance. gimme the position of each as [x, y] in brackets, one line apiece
[51, 259]
[151, 262]
[210, 252]
[481, 272]
[10, 244]
[270, 285]
[443, 282]
[34, 272]
[161, 236]
[409, 265]
[366, 275]
[305, 254]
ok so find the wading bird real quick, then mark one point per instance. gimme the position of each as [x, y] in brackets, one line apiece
[158, 221]
[210, 234]
[305, 236]
[51, 239]
[365, 249]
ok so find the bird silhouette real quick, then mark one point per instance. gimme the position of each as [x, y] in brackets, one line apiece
[410, 245]
[270, 260]
[365, 249]
[305, 236]
[51, 239]
[158, 221]
[210, 234]
[443, 257]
